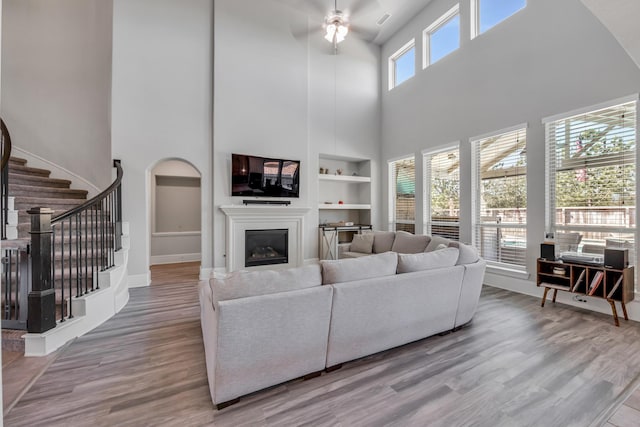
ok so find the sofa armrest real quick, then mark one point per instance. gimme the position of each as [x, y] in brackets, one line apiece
[209, 325]
[470, 291]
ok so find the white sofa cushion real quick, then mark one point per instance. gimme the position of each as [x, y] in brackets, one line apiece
[362, 243]
[408, 263]
[468, 254]
[366, 267]
[407, 243]
[383, 241]
[251, 283]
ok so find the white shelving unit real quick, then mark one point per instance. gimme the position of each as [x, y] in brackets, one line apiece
[346, 196]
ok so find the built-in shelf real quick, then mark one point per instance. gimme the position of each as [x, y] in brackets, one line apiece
[344, 206]
[344, 178]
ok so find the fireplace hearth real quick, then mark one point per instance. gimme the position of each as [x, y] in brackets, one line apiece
[266, 247]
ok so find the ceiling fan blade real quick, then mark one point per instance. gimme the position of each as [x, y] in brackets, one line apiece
[362, 7]
[366, 34]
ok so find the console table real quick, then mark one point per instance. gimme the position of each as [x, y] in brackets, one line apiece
[587, 280]
[332, 236]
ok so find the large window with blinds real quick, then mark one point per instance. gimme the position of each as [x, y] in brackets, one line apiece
[442, 192]
[500, 196]
[591, 170]
[402, 197]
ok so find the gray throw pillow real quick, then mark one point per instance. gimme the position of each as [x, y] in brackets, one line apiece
[468, 253]
[408, 263]
[362, 243]
[251, 283]
[435, 242]
[407, 243]
[366, 267]
[382, 241]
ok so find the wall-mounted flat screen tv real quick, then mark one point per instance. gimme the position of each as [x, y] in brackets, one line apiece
[264, 177]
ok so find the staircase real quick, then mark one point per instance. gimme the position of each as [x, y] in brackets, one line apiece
[30, 187]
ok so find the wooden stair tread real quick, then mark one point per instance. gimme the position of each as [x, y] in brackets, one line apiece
[27, 170]
[41, 181]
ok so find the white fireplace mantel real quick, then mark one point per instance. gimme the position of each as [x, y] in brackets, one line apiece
[263, 217]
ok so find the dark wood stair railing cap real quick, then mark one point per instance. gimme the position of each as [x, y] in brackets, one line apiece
[6, 153]
[91, 202]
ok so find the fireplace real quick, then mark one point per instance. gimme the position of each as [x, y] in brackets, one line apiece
[266, 247]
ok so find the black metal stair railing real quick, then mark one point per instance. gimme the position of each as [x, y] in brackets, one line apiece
[69, 252]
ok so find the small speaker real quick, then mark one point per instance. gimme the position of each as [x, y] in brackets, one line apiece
[616, 258]
[548, 251]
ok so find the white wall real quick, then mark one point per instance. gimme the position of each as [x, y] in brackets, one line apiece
[281, 96]
[551, 57]
[56, 82]
[162, 65]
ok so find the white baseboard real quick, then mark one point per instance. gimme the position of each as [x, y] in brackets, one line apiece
[59, 172]
[172, 259]
[139, 280]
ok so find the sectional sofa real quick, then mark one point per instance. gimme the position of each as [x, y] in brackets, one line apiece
[262, 328]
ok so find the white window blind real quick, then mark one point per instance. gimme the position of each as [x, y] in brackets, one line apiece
[591, 168]
[500, 197]
[442, 193]
[403, 194]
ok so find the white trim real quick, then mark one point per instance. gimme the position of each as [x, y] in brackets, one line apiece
[176, 234]
[405, 157]
[394, 57]
[176, 258]
[57, 171]
[589, 109]
[508, 270]
[435, 26]
[205, 273]
[524, 125]
[139, 280]
[475, 19]
[440, 148]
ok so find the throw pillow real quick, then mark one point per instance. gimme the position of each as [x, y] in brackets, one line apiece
[366, 267]
[468, 253]
[382, 241]
[362, 243]
[408, 263]
[251, 283]
[435, 242]
[407, 243]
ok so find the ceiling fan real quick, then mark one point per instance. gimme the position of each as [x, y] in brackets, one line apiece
[336, 26]
[356, 17]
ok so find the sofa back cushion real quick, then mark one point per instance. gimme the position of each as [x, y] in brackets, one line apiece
[262, 282]
[366, 267]
[408, 263]
[407, 243]
[468, 253]
[382, 241]
[362, 243]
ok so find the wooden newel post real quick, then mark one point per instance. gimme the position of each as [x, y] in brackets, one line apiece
[42, 298]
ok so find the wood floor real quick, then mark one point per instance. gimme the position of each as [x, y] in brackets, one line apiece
[517, 364]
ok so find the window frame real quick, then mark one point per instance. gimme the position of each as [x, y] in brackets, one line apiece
[411, 44]
[427, 156]
[434, 27]
[476, 200]
[551, 174]
[475, 18]
[392, 182]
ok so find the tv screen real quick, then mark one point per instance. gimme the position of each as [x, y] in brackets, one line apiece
[263, 177]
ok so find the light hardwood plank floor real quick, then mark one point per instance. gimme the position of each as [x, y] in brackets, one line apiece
[516, 364]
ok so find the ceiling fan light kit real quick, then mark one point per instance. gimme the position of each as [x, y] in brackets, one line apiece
[336, 27]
